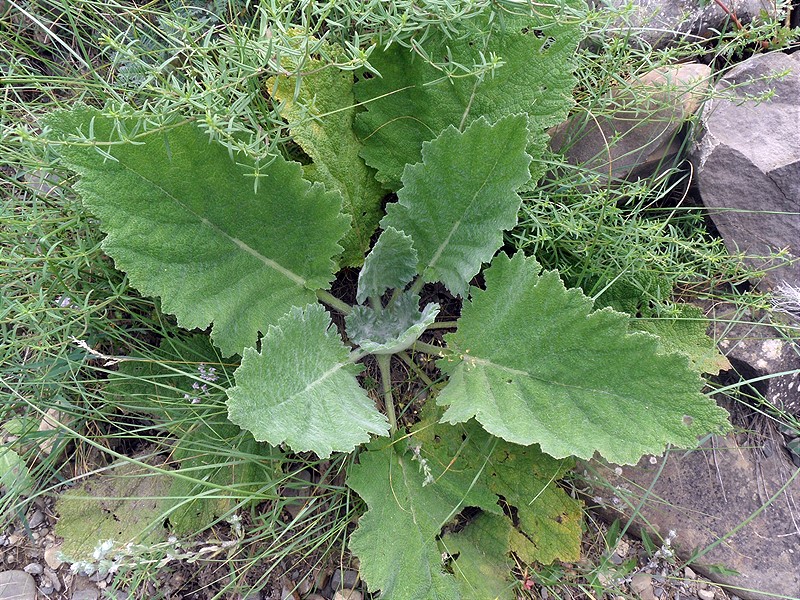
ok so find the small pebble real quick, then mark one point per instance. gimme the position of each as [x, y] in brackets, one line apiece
[86, 594]
[51, 557]
[17, 585]
[37, 518]
[705, 594]
[642, 584]
[344, 578]
[616, 559]
[689, 574]
[315, 597]
[46, 589]
[52, 576]
[348, 594]
[34, 569]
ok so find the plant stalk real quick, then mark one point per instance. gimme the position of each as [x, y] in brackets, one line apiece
[384, 364]
[332, 301]
[427, 348]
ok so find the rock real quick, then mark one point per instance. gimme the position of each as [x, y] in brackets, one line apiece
[756, 350]
[36, 519]
[348, 594]
[724, 490]
[639, 121]
[51, 556]
[315, 597]
[86, 594]
[642, 586]
[748, 162]
[34, 569]
[689, 574]
[344, 578]
[17, 585]
[705, 594]
[52, 577]
[659, 23]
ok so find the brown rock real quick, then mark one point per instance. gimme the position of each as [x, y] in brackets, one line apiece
[728, 504]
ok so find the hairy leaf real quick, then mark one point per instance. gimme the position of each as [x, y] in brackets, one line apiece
[301, 388]
[14, 474]
[392, 263]
[412, 101]
[546, 516]
[482, 566]
[183, 220]
[392, 329]
[457, 202]
[574, 381]
[687, 334]
[396, 538]
[320, 113]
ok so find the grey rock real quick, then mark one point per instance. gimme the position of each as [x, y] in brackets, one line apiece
[17, 585]
[86, 594]
[659, 23]
[748, 162]
[34, 569]
[344, 578]
[726, 489]
[642, 586]
[36, 519]
[52, 577]
[633, 135]
[705, 594]
[756, 350]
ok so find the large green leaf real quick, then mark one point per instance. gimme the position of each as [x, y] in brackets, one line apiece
[412, 101]
[536, 365]
[396, 538]
[320, 110]
[421, 482]
[184, 221]
[457, 202]
[301, 388]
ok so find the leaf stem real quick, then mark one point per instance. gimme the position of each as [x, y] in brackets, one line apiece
[406, 358]
[384, 364]
[442, 325]
[332, 301]
[427, 348]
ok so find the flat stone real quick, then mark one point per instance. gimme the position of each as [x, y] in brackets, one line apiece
[348, 594]
[51, 556]
[748, 163]
[642, 585]
[633, 135]
[17, 585]
[724, 490]
[34, 569]
[86, 594]
[659, 23]
[706, 594]
[344, 578]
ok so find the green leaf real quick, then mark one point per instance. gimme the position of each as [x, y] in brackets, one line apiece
[301, 388]
[418, 484]
[392, 329]
[183, 220]
[546, 516]
[457, 202]
[412, 101]
[123, 505]
[15, 478]
[536, 365]
[320, 113]
[396, 538]
[686, 334]
[392, 263]
[482, 566]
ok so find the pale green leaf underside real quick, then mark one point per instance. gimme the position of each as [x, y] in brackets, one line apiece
[412, 101]
[184, 222]
[320, 114]
[301, 388]
[392, 263]
[14, 474]
[538, 366]
[393, 329]
[457, 202]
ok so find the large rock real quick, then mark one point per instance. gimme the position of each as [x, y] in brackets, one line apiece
[634, 133]
[658, 23]
[731, 504]
[748, 162]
